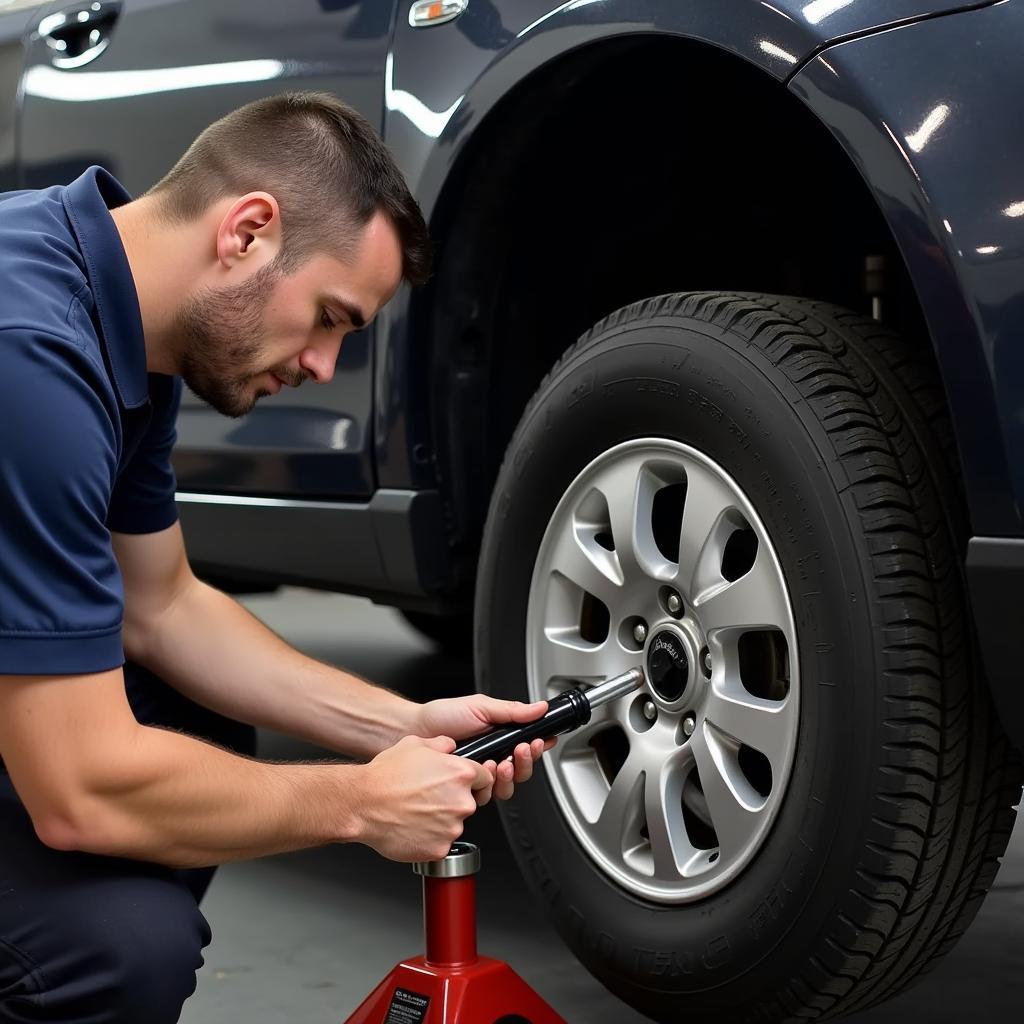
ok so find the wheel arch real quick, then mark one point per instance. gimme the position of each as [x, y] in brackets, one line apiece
[516, 232]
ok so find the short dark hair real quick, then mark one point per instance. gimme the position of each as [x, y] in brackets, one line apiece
[329, 171]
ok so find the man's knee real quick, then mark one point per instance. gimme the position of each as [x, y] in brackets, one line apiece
[133, 958]
[149, 974]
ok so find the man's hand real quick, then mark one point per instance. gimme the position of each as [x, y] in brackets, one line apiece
[463, 717]
[415, 796]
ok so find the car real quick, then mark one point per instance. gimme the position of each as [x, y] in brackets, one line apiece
[720, 374]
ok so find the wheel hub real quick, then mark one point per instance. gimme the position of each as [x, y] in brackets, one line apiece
[668, 667]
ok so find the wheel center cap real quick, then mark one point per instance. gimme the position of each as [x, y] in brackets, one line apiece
[668, 668]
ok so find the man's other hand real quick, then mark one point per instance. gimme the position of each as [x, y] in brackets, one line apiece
[464, 717]
[414, 798]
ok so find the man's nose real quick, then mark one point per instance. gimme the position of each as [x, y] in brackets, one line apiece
[319, 362]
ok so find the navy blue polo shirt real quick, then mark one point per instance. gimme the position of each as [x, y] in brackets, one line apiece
[85, 432]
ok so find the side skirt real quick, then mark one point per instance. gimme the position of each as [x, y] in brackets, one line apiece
[391, 547]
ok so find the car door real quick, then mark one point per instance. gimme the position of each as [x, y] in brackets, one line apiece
[128, 84]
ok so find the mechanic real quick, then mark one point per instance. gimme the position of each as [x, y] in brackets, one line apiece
[127, 770]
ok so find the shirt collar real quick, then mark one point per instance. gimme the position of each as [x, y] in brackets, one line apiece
[88, 201]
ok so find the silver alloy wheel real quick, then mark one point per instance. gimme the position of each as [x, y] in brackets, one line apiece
[670, 805]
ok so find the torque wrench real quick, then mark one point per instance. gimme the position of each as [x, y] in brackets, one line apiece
[568, 711]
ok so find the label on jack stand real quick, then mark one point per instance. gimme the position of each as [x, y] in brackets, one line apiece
[407, 1008]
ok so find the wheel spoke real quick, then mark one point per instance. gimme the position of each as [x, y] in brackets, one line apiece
[571, 744]
[575, 760]
[755, 601]
[620, 813]
[629, 492]
[619, 487]
[765, 725]
[590, 567]
[706, 500]
[731, 801]
[663, 805]
[561, 658]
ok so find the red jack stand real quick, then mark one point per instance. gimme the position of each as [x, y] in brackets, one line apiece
[451, 984]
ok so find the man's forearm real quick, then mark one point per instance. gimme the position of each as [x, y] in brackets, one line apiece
[214, 651]
[93, 779]
[175, 800]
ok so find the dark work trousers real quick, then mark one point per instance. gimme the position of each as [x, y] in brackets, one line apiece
[103, 940]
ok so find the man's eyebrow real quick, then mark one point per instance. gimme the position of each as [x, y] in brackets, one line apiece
[352, 311]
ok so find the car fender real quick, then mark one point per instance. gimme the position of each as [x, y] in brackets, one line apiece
[442, 82]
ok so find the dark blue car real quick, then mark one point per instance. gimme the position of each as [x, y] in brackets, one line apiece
[721, 372]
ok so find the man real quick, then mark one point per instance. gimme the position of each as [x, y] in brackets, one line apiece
[283, 227]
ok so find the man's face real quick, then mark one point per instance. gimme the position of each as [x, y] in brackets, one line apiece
[242, 343]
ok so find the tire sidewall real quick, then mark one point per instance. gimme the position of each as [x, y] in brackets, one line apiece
[680, 378]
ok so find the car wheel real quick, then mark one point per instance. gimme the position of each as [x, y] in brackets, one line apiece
[756, 499]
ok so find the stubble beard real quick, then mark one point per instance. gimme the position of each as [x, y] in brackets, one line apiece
[221, 342]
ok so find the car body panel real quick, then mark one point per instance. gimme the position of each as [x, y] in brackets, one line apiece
[385, 548]
[171, 68]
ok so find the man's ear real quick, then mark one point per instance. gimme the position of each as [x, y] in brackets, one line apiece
[251, 227]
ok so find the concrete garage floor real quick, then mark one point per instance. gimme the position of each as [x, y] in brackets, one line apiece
[302, 938]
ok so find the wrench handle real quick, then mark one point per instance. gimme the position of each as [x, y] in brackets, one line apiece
[569, 710]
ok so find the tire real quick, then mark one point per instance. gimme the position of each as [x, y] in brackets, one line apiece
[896, 801]
[453, 634]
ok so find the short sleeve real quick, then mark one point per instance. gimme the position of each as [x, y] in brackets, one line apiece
[61, 596]
[143, 498]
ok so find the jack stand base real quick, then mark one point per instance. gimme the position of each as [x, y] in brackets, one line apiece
[486, 991]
